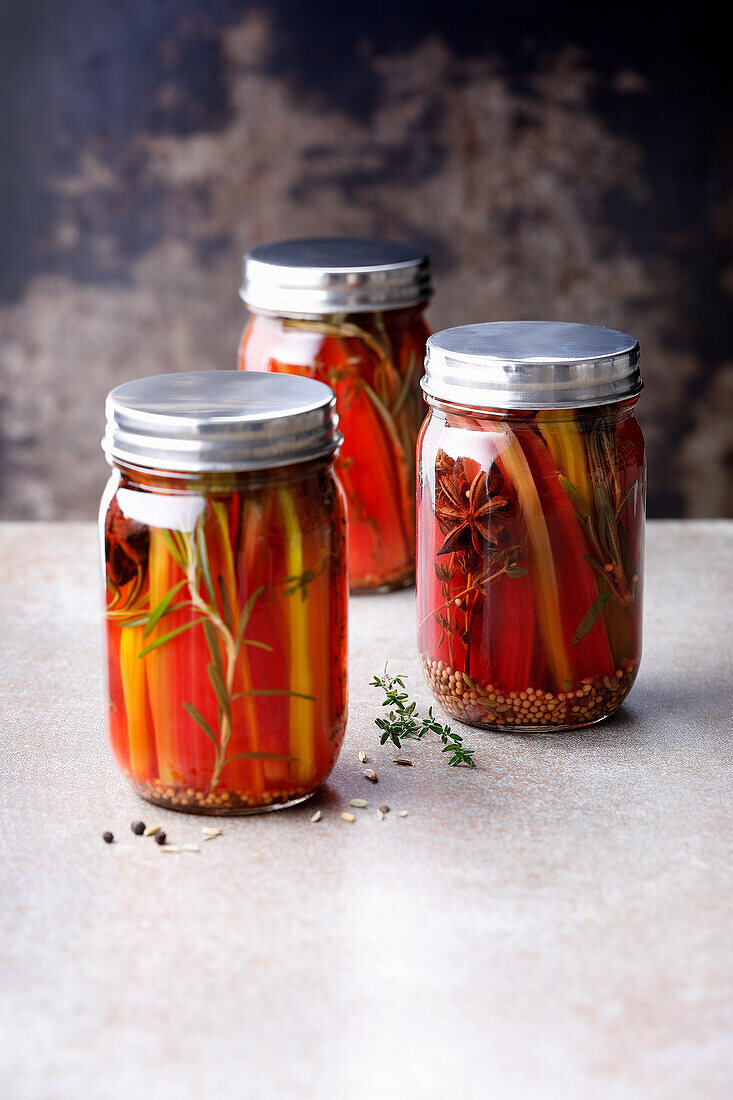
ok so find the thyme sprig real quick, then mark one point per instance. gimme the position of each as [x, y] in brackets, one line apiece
[452, 742]
[404, 723]
[401, 721]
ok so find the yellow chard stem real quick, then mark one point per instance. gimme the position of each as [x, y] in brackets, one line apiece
[159, 662]
[134, 690]
[563, 438]
[548, 600]
[301, 743]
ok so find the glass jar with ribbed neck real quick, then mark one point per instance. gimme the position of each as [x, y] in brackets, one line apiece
[350, 313]
[531, 505]
[225, 569]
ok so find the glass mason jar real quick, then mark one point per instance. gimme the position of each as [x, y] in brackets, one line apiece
[224, 542]
[531, 504]
[350, 313]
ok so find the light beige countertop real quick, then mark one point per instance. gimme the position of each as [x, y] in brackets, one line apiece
[554, 924]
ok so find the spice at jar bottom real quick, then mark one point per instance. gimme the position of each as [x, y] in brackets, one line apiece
[531, 506]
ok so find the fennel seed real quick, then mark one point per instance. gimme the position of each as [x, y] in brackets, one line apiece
[404, 761]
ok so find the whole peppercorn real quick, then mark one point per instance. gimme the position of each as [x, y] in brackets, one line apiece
[108, 837]
[138, 827]
[160, 838]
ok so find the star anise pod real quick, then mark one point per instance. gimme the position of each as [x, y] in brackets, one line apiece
[469, 513]
[126, 545]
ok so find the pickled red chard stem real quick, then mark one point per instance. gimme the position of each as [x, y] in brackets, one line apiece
[301, 734]
[256, 766]
[512, 457]
[394, 425]
[471, 587]
[197, 561]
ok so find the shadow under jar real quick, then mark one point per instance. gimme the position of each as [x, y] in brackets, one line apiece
[224, 539]
[350, 313]
[531, 505]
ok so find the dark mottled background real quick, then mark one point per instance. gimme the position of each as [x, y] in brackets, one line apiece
[574, 163]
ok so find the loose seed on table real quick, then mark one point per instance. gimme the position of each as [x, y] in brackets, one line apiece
[403, 760]
[169, 848]
[316, 816]
[362, 757]
[359, 803]
[380, 815]
[189, 848]
[108, 837]
[384, 809]
[210, 833]
[138, 827]
[371, 776]
[348, 817]
[160, 838]
[402, 813]
[151, 830]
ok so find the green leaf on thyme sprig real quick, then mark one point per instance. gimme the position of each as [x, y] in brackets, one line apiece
[403, 722]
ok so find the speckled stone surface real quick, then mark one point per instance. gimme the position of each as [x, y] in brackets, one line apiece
[555, 924]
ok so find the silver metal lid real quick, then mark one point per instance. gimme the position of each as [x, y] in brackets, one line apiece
[201, 421]
[334, 275]
[531, 365]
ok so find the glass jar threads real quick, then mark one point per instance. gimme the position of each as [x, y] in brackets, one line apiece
[225, 557]
[531, 504]
[350, 313]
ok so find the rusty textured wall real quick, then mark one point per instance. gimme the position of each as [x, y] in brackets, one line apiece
[576, 166]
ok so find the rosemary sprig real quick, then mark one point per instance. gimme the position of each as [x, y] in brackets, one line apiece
[403, 722]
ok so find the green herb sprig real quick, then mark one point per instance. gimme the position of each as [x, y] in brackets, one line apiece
[403, 722]
[452, 742]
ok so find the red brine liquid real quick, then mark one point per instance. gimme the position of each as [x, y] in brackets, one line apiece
[373, 362]
[226, 601]
[530, 544]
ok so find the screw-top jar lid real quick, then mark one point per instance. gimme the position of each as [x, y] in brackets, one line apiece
[531, 365]
[200, 421]
[334, 275]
